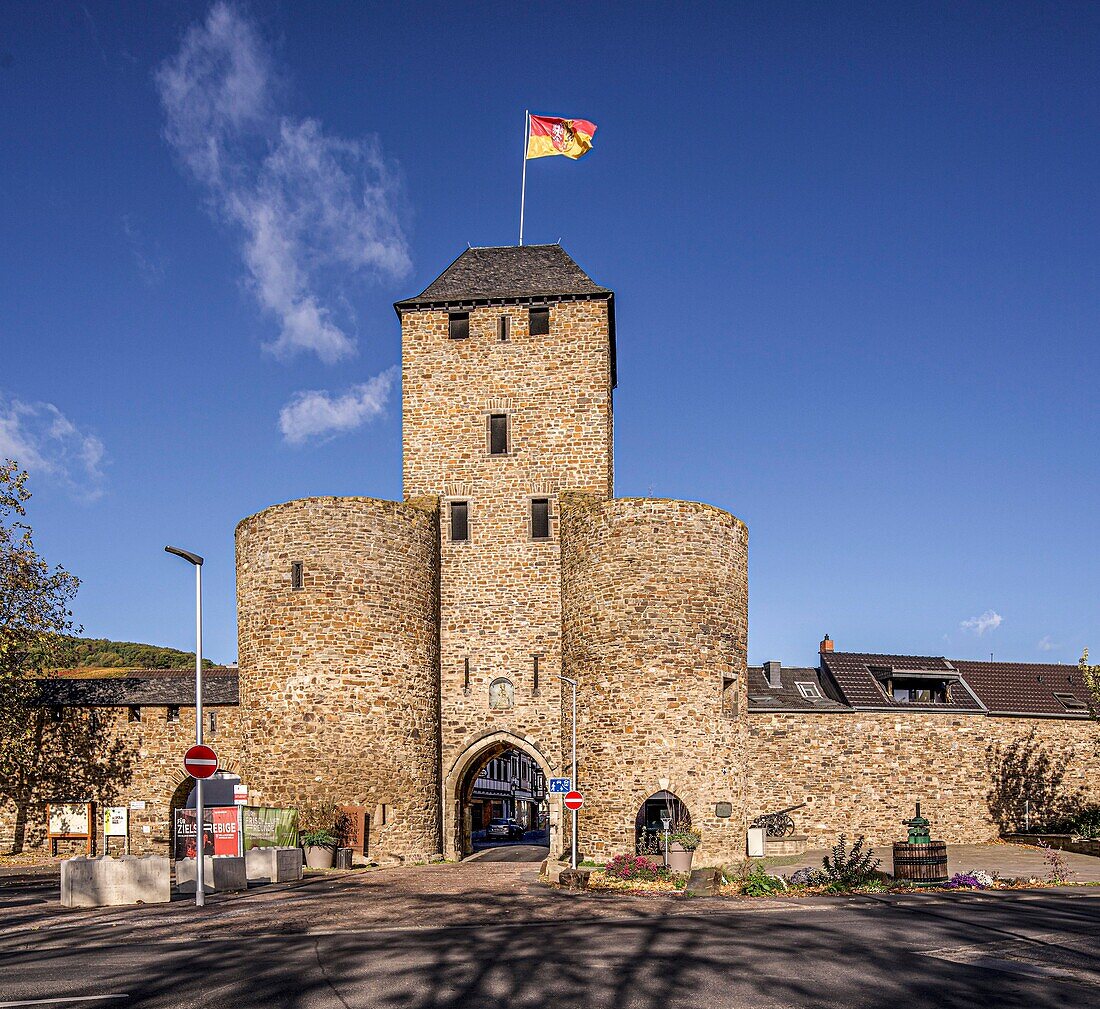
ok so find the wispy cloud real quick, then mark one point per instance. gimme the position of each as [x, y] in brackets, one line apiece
[990, 620]
[312, 209]
[1047, 644]
[148, 257]
[45, 442]
[319, 414]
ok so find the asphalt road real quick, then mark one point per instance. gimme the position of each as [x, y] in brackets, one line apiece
[1028, 950]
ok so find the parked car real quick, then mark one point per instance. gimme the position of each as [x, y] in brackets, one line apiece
[503, 828]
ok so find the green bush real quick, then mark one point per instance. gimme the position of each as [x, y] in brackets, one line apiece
[843, 869]
[758, 882]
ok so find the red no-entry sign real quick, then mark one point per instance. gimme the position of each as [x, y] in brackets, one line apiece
[573, 800]
[200, 761]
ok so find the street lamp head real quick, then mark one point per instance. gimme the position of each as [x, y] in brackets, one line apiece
[186, 555]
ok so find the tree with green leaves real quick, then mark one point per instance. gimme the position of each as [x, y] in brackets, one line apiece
[42, 757]
[1091, 676]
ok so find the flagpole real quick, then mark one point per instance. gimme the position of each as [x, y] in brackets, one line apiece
[523, 187]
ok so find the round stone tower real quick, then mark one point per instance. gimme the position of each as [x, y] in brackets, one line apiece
[654, 624]
[338, 604]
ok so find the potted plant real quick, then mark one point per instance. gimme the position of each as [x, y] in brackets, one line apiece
[318, 835]
[682, 842]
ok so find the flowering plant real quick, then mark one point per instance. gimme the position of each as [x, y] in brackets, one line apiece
[635, 867]
[685, 835]
[968, 881]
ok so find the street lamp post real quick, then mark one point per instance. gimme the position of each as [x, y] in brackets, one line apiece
[573, 773]
[666, 822]
[200, 865]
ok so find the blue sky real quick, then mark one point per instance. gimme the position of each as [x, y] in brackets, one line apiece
[854, 247]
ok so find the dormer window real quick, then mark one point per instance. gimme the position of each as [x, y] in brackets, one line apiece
[809, 691]
[919, 691]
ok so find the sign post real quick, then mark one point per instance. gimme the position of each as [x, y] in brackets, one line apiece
[196, 561]
[200, 762]
[116, 823]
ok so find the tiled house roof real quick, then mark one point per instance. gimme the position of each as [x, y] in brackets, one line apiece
[787, 696]
[1002, 688]
[141, 687]
[1018, 688]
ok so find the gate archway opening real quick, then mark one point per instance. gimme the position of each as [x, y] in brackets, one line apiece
[648, 826]
[496, 802]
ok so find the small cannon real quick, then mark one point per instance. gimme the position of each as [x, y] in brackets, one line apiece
[778, 824]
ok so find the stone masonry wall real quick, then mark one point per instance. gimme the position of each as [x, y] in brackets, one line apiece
[862, 773]
[155, 748]
[654, 625]
[339, 680]
[500, 597]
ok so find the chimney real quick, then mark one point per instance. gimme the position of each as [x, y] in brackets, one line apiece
[826, 644]
[773, 671]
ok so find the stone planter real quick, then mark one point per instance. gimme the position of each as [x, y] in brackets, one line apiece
[320, 858]
[679, 858]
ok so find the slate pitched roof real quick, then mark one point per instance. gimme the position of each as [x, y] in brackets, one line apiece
[532, 274]
[507, 273]
[141, 687]
[787, 696]
[1002, 688]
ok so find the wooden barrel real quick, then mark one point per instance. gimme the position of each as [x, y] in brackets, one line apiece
[921, 863]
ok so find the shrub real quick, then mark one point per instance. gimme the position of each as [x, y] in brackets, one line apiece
[685, 835]
[323, 823]
[844, 869]
[1057, 867]
[758, 882]
[635, 867]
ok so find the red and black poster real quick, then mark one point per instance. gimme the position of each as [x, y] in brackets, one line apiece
[220, 832]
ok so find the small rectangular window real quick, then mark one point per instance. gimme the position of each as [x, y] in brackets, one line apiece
[212, 723]
[535, 673]
[173, 713]
[57, 713]
[498, 434]
[135, 713]
[460, 521]
[296, 575]
[539, 320]
[458, 325]
[504, 328]
[466, 674]
[729, 696]
[540, 518]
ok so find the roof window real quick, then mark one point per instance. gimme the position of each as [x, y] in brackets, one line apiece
[809, 691]
[1071, 702]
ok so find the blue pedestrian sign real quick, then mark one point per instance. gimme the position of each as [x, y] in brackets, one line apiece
[560, 785]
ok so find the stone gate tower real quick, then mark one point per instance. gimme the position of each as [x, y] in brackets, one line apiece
[508, 365]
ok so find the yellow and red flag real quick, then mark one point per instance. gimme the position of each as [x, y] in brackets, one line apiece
[550, 135]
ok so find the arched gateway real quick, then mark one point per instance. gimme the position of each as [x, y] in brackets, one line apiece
[459, 782]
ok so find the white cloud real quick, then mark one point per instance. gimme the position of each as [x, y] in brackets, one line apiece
[319, 414]
[45, 442]
[313, 209]
[1046, 644]
[988, 621]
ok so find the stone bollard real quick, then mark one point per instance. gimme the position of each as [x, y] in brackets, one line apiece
[703, 883]
[105, 881]
[273, 865]
[221, 872]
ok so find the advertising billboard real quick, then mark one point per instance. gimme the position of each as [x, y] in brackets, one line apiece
[269, 826]
[221, 833]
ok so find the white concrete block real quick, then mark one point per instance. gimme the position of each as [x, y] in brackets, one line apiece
[103, 881]
[273, 865]
[220, 872]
